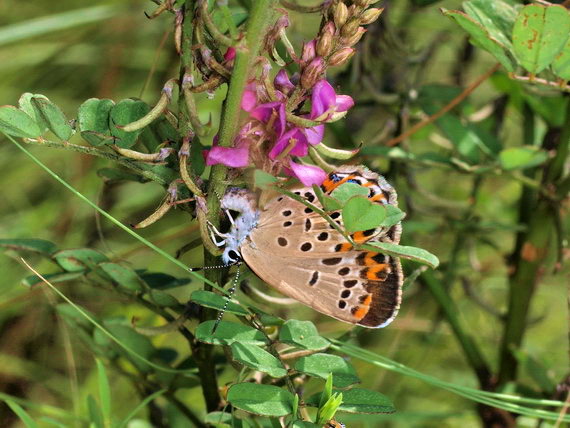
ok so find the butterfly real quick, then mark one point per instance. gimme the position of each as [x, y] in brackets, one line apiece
[298, 253]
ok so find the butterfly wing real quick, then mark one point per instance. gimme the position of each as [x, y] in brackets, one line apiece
[302, 256]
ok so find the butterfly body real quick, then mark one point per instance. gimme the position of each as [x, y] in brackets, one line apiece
[297, 252]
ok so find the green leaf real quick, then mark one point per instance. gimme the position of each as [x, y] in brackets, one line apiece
[522, 157]
[302, 334]
[359, 400]
[95, 416]
[497, 16]
[321, 365]
[328, 203]
[25, 104]
[41, 246]
[72, 314]
[22, 414]
[16, 123]
[258, 359]
[359, 213]
[124, 277]
[561, 64]
[197, 156]
[215, 301]
[79, 259]
[539, 34]
[113, 175]
[125, 112]
[393, 216]
[163, 281]
[219, 419]
[481, 37]
[265, 400]
[262, 179]
[130, 339]
[93, 119]
[347, 190]
[53, 117]
[229, 332]
[411, 253]
[161, 298]
[104, 390]
[53, 278]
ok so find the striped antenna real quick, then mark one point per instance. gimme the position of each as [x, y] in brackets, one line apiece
[231, 292]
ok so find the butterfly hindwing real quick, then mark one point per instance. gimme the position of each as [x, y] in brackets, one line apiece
[298, 253]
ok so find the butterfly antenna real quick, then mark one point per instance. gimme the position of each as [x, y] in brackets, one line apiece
[196, 269]
[231, 292]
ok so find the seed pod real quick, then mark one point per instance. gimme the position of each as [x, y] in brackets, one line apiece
[370, 15]
[340, 14]
[325, 42]
[355, 37]
[341, 56]
[350, 28]
[313, 73]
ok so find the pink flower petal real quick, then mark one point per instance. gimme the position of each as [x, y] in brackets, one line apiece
[230, 54]
[282, 82]
[322, 98]
[308, 174]
[249, 97]
[234, 157]
[301, 146]
[315, 134]
[343, 103]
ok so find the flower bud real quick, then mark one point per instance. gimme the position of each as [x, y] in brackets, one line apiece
[350, 28]
[341, 56]
[355, 37]
[340, 14]
[313, 72]
[370, 15]
[309, 51]
[325, 42]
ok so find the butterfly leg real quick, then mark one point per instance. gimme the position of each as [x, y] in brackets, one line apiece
[215, 234]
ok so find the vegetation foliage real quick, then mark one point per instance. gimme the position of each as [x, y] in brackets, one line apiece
[109, 112]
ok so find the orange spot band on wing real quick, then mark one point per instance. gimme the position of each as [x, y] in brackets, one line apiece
[369, 259]
[345, 247]
[378, 197]
[360, 311]
[330, 185]
[372, 272]
[359, 237]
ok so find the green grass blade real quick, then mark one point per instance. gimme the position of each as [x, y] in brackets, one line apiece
[104, 393]
[61, 21]
[139, 407]
[22, 414]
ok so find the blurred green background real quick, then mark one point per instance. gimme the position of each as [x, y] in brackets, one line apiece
[70, 52]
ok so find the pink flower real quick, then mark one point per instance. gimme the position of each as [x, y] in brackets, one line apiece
[307, 174]
[325, 100]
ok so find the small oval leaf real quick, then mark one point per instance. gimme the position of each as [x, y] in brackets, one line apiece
[125, 112]
[16, 123]
[123, 276]
[93, 118]
[411, 253]
[265, 400]
[24, 244]
[215, 301]
[359, 213]
[302, 334]
[229, 332]
[79, 259]
[539, 34]
[258, 359]
[53, 117]
[321, 365]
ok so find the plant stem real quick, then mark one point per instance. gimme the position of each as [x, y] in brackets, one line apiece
[529, 256]
[246, 53]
